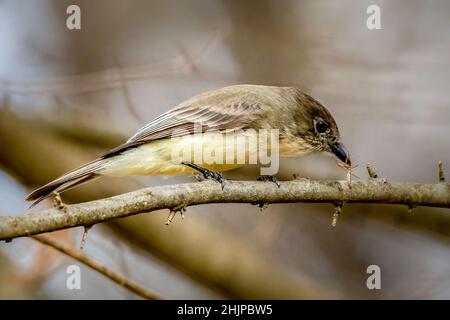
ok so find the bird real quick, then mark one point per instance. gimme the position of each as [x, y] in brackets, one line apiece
[303, 124]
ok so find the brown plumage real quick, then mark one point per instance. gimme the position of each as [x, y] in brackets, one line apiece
[297, 115]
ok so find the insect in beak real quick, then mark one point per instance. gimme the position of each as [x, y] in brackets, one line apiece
[339, 150]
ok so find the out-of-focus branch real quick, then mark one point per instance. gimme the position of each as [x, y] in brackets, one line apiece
[91, 263]
[127, 96]
[112, 78]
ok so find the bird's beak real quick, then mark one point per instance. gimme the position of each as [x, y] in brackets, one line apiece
[341, 153]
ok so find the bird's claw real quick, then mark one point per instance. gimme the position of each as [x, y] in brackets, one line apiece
[270, 179]
[207, 174]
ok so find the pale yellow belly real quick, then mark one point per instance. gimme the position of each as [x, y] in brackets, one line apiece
[162, 157]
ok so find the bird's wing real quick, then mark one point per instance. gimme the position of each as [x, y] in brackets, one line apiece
[193, 118]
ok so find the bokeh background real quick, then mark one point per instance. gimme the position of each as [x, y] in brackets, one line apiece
[66, 96]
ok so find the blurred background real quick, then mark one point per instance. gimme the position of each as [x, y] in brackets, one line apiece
[67, 96]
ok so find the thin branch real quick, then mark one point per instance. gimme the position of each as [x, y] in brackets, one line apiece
[108, 79]
[441, 172]
[371, 172]
[84, 259]
[337, 212]
[126, 95]
[84, 237]
[172, 196]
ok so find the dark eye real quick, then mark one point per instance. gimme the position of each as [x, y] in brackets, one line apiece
[321, 126]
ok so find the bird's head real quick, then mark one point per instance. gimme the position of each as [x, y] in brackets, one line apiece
[316, 129]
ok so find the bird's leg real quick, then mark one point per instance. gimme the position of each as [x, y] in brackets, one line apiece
[216, 176]
[270, 179]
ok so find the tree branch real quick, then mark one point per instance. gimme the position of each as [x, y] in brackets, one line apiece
[114, 276]
[176, 196]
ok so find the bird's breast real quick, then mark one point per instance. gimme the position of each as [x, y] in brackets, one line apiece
[214, 151]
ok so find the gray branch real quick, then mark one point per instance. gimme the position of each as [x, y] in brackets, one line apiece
[174, 197]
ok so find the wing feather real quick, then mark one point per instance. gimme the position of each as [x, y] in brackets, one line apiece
[187, 118]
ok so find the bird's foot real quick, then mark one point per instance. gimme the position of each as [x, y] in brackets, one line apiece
[270, 179]
[216, 176]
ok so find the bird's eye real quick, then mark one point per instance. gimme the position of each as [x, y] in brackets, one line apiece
[321, 126]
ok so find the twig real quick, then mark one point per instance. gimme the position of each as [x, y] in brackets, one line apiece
[374, 175]
[107, 79]
[127, 96]
[337, 212]
[171, 196]
[441, 172]
[411, 207]
[371, 172]
[181, 209]
[349, 177]
[84, 237]
[57, 201]
[114, 276]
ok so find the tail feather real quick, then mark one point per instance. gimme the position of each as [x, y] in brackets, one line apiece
[69, 180]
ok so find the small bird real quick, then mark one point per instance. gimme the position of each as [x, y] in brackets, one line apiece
[304, 125]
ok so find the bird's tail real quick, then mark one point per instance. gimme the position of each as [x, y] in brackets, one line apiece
[67, 181]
